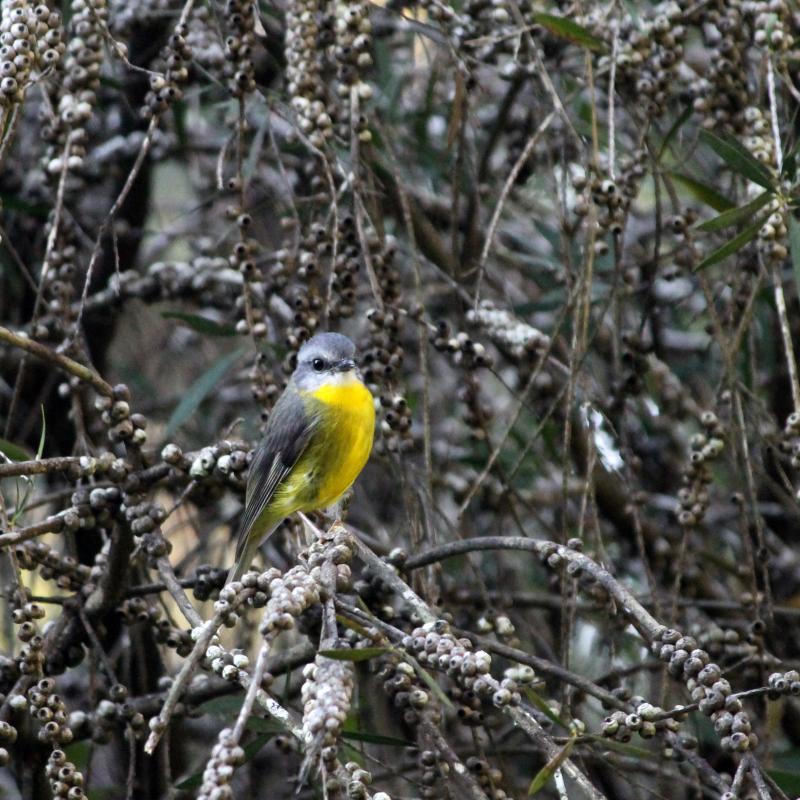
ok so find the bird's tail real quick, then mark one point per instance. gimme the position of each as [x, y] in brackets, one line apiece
[246, 549]
[244, 557]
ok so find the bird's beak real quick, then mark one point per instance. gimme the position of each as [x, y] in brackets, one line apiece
[346, 365]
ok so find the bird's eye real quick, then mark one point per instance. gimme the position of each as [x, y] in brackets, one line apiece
[318, 364]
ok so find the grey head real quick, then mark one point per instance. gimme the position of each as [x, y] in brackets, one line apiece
[325, 358]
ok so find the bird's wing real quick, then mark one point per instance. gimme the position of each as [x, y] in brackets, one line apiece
[289, 430]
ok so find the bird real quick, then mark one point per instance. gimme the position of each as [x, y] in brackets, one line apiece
[317, 440]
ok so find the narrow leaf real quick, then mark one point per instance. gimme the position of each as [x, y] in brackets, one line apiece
[40, 448]
[544, 707]
[227, 705]
[567, 29]
[261, 725]
[359, 654]
[794, 249]
[352, 625]
[200, 390]
[674, 128]
[457, 112]
[739, 158]
[201, 324]
[14, 451]
[702, 192]
[731, 247]
[626, 749]
[376, 738]
[431, 682]
[735, 215]
[548, 770]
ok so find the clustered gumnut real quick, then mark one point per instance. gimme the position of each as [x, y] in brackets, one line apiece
[488, 777]
[30, 37]
[789, 442]
[224, 460]
[434, 646]
[326, 696]
[358, 779]
[209, 579]
[313, 251]
[707, 688]
[721, 91]
[308, 33]
[353, 58]
[408, 695]
[144, 518]
[433, 770]
[783, 683]
[382, 358]
[649, 50]
[336, 546]
[520, 340]
[243, 258]
[471, 356]
[289, 596]
[30, 660]
[138, 611]
[66, 782]
[165, 88]
[48, 709]
[611, 196]
[240, 41]
[646, 721]
[231, 665]
[465, 352]
[722, 641]
[74, 96]
[226, 755]
[693, 496]
[115, 412]
[8, 735]
[772, 25]
[111, 712]
[64, 569]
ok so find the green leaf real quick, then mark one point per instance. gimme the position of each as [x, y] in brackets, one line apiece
[739, 158]
[787, 780]
[14, 451]
[626, 749]
[40, 448]
[376, 738]
[567, 29]
[548, 770]
[225, 706]
[430, 682]
[544, 707]
[359, 654]
[352, 625]
[672, 132]
[794, 249]
[198, 392]
[702, 192]
[731, 247]
[734, 215]
[201, 324]
[262, 725]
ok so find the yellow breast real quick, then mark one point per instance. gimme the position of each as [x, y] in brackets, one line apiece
[344, 442]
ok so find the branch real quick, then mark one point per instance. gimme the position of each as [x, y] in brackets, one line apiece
[56, 359]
